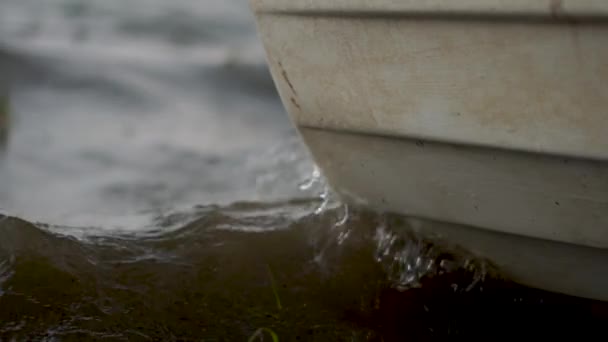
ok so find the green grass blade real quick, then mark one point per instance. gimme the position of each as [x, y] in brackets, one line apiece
[274, 288]
[260, 333]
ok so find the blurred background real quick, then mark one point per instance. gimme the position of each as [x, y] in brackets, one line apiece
[115, 110]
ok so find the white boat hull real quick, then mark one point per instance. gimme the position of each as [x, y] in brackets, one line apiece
[489, 114]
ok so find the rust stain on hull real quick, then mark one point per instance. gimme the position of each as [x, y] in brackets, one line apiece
[286, 78]
[295, 103]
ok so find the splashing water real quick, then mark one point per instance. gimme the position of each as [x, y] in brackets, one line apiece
[315, 178]
[404, 254]
[408, 257]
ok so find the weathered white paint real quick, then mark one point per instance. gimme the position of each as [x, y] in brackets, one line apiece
[539, 196]
[489, 113]
[533, 86]
[541, 219]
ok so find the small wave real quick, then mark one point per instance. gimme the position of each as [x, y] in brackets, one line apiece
[181, 28]
[16, 67]
[22, 70]
[237, 76]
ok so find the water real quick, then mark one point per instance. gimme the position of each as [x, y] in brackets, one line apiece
[120, 109]
[153, 188]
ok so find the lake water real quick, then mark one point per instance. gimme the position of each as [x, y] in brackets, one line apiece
[153, 188]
